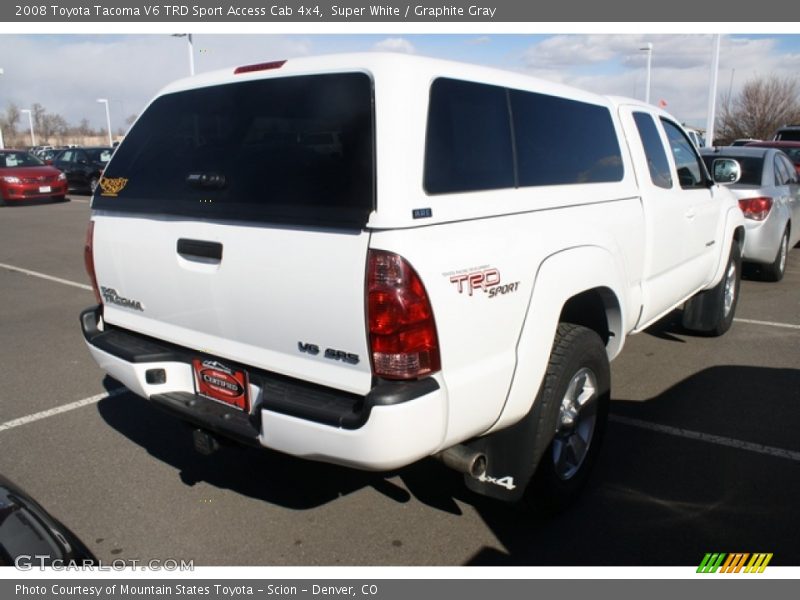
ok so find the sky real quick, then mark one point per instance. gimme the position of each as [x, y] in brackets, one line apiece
[66, 73]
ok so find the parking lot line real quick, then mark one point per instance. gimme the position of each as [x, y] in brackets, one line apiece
[768, 323]
[708, 437]
[60, 409]
[82, 286]
[80, 201]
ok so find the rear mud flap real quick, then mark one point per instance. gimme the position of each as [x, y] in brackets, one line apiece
[513, 454]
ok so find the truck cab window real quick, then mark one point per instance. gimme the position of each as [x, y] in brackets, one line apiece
[690, 170]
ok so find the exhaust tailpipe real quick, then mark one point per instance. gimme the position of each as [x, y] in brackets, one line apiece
[464, 460]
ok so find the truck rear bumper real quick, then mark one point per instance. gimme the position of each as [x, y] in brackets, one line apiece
[394, 425]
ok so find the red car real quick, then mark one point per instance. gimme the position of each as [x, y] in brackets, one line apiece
[790, 148]
[25, 177]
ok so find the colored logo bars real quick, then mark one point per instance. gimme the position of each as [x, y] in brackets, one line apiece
[734, 563]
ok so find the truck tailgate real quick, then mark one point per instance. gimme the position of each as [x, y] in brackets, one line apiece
[265, 296]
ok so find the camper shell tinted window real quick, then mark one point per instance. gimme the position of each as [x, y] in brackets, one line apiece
[483, 137]
[293, 149]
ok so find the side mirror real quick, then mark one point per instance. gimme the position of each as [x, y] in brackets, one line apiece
[726, 171]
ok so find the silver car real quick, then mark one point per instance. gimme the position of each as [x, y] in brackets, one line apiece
[769, 196]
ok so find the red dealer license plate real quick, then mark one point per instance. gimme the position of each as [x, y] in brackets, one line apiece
[221, 383]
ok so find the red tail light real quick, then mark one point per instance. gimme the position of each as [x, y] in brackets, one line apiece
[88, 259]
[402, 330]
[756, 209]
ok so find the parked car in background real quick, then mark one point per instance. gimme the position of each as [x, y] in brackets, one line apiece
[31, 537]
[83, 166]
[38, 150]
[697, 138]
[25, 177]
[788, 133]
[47, 156]
[743, 141]
[792, 149]
[769, 196]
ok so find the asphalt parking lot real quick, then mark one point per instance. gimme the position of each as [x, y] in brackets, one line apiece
[702, 453]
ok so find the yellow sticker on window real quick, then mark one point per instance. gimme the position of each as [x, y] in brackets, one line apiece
[112, 187]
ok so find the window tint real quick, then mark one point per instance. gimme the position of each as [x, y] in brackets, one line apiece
[468, 141]
[291, 149]
[687, 163]
[560, 141]
[654, 150]
[790, 135]
[469, 144]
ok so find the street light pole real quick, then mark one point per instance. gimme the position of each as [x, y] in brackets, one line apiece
[191, 54]
[712, 92]
[648, 47]
[188, 37]
[108, 120]
[30, 122]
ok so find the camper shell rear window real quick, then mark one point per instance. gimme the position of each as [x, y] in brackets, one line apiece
[291, 150]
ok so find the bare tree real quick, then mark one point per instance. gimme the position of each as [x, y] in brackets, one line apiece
[55, 125]
[84, 129]
[761, 107]
[38, 112]
[12, 119]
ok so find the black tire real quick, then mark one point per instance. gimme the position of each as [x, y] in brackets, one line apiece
[61, 198]
[730, 283]
[578, 368]
[711, 312]
[776, 269]
[93, 184]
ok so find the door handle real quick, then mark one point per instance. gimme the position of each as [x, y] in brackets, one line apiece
[200, 249]
[690, 214]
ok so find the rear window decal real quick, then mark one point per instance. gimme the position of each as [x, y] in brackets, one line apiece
[112, 187]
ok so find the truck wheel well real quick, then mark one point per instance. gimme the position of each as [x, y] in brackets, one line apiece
[595, 309]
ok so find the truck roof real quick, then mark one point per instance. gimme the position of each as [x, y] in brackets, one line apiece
[379, 64]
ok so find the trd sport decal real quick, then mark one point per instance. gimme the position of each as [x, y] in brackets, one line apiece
[485, 279]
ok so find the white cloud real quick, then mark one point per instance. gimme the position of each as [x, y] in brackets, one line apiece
[395, 45]
[66, 74]
[681, 66]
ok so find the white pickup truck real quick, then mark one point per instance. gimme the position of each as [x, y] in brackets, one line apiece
[371, 259]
